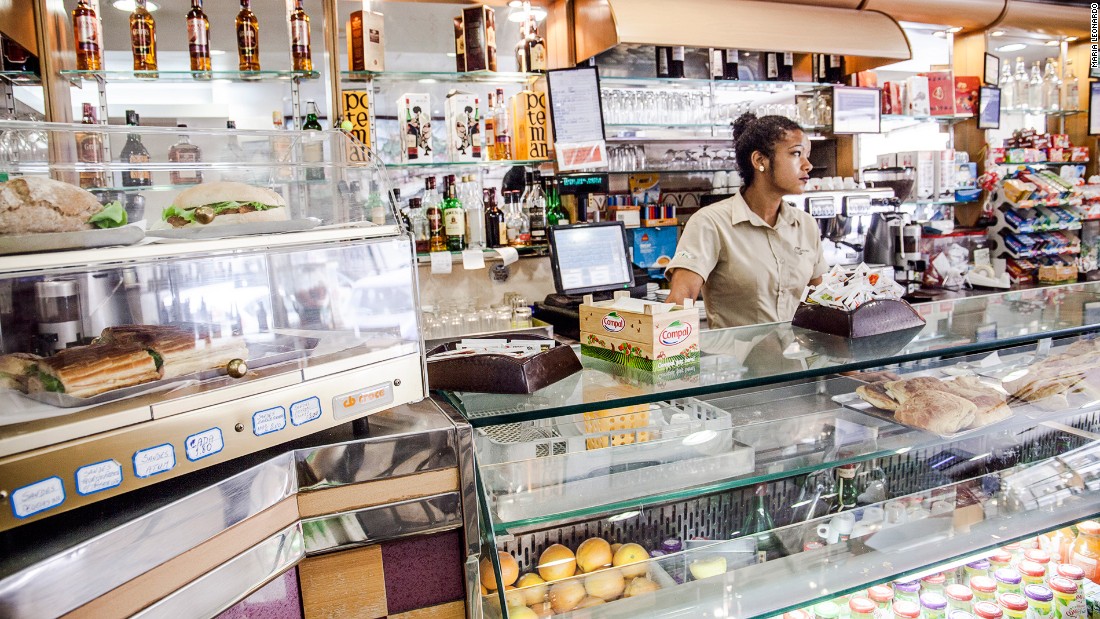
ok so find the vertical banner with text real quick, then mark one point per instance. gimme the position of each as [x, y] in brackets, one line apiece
[356, 105]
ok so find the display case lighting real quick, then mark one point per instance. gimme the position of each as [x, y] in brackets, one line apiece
[130, 5]
[521, 9]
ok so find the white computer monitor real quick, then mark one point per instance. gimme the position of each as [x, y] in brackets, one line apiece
[590, 257]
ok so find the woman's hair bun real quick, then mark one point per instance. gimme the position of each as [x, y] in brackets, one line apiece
[742, 123]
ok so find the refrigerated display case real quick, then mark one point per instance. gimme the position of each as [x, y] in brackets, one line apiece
[731, 476]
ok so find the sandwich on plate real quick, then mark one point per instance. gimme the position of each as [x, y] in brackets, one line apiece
[225, 202]
[36, 204]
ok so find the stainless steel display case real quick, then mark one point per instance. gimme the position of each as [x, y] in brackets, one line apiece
[325, 303]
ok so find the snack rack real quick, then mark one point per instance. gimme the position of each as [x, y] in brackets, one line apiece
[1036, 233]
[326, 304]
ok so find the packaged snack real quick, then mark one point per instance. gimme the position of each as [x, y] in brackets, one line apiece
[1060, 140]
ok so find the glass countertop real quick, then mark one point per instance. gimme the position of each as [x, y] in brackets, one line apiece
[766, 354]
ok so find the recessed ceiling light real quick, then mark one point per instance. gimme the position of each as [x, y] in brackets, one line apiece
[955, 29]
[997, 33]
[130, 5]
[1052, 43]
[940, 33]
[1012, 47]
[1070, 39]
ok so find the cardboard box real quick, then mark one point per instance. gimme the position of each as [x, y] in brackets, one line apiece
[479, 32]
[463, 119]
[917, 99]
[966, 94]
[1079, 154]
[530, 125]
[924, 164]
[655, 340]
[354, 29]
[374, 41]
[414, 113]
[941, 93]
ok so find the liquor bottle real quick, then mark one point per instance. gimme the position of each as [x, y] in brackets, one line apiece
[412, 134]
[758, 524]
[375, 205]
[1008, 88]
[786, 67]
[143, 38]
[186, 153]
[198, 37]
[846, 490]
[834, 74]
[717, 63]
[90, 150]
[1023, 99]
[490, 128]
[555, 214]
[1035, 88]
[496, 231]
[676, 64]
[418, 226]
[771, 69]
[313, 150]
[454, 217]
[535, 205]
[15, 57]
[433, 211]
[1072, 100]
[134, 152]
[517, 222]
[300, 48]
[535, 47]
[473, 201]
[502, 128]
[522, 60]
[664, 59]
[1052, 87]
[248, 38]
[89, 56]
[731, 61]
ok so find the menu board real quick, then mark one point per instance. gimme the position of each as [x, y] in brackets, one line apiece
[989, 107]
[577, 118]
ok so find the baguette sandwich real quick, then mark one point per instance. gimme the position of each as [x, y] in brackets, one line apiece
[224, 202]
[15, 369]
[177, 352]
[85, 371]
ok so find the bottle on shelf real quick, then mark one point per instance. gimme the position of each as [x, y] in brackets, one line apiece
[759, 524]
[454, 217]
[473, 201]
[1008, 88]
[522, 60]
[186, 153]
[731, 63]
[664, 59]
[846, 491]
[198, 37]
[1052, 87]
[375, 206]
[89, 55]
[771, 66]
[433, 211]
[676, 62]
[248, 38]
[786, 67]
[535, 47]
[1023, 98]
[490, 128]
[1072, 100]
[834, 74]
[535, 205]
[1035, 88]
[717, 63]
[89, 146]
[516, 221]
[555, 214]
[418, 226]
[313, 150]
[280, 148]
[300, 47]
[143, 38]
[496, 231]
[502, 128]
[133, 154]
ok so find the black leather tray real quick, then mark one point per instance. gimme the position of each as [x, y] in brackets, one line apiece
[871, 318]
[498, 373]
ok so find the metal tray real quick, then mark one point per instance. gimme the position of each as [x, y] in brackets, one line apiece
[81, 239]
[247, 229]
[261, 354]
[856, 403]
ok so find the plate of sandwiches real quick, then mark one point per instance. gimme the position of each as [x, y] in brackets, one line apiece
[225, 209]
[130, 360]
[949, 408]
[1066, 380]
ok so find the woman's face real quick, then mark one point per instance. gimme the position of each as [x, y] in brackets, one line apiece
[790, 167]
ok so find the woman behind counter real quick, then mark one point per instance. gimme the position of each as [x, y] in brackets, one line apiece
[752, 255]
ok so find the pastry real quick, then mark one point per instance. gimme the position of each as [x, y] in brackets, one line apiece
[990, 404]
[902, 390]
[876, 395]
[936, 411]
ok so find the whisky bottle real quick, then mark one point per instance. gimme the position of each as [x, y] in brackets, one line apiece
[496, 230]
[731, 62]
[248, 38]
[676, 65]
[86, 31]
[535, 47]
[490, 128]
[299, 39]
[786, 67]
[313, 148]
[198, 37]
[454, 216]
[188, 154]
[143, 38]
[90, 151]
[502, 128]
[434, 213]
[133, 154]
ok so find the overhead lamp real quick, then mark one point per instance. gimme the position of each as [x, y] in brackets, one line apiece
[1052, 43]
[1012, 47]
[1070, 39]
[522, 9]
[130, 5]
[997, 33]
[954, 29]
[941, 34]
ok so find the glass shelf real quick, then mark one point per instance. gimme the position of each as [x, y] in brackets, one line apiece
[1042, 112]
[949, 120]
[482, 77]
[189, 76]
[701, 171]
[647, 82]
[771, 353]
[470, 164]
[700, 126]
[21, 78]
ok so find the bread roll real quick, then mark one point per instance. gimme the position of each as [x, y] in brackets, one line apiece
[36, 204]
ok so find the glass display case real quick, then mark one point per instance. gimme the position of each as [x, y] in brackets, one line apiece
[249, 289]
[774, 476]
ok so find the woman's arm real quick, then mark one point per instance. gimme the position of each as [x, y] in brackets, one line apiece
[685, 284]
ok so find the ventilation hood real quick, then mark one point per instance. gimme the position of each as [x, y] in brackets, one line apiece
[868, 39]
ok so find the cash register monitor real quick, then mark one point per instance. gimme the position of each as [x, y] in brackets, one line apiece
[590, 258]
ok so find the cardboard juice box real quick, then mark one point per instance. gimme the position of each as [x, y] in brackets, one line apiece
[648, 336]
[464, 138]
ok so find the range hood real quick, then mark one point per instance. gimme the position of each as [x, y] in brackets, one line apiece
[867, 39]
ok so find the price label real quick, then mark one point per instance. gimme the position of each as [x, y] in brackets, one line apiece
[822, 207]
[37, 497]
[857, 205]
[203, 444]
[154, 460]
[98, 477]
[305, 411]
[268, 421]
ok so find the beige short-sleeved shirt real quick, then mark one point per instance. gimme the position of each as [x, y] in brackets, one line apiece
[752, 273]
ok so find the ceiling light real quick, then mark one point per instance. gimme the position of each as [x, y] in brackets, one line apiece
[1012, 47]
[522, 9]
[954, 29]
[940, 33]
[1052, 43]
[130, 5]
[1070, 39]
[997, 33]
